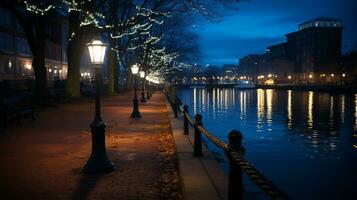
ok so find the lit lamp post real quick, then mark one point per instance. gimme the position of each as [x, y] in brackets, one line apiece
[135, 113]
[142, 76]
[99, 161]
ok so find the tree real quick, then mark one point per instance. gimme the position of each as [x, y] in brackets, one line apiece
[33, 16]
[89, 18]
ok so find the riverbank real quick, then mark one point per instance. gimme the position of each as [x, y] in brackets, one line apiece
[340, 89]
[43, 159]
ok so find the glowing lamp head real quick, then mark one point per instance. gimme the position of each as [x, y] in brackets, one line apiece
[97, 50]
[142, 74]
[135, 69]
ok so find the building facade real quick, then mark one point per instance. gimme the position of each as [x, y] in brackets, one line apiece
[310, 55]
[15, 53]
[316, 49]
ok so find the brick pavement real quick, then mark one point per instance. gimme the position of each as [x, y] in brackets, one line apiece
[43, 159]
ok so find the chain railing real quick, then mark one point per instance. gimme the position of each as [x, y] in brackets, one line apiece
[234, 151]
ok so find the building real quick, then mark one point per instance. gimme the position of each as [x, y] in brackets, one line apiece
[277, 65]
[316, 49]
[248, 65]
[310, 55]
[15, 53]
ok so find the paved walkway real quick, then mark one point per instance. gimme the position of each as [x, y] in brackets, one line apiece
[43, 159]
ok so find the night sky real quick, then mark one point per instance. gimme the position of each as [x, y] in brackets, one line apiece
[261, 23]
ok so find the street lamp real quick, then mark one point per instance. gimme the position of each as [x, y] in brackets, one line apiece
[135, 113]
[98, 161]
[142, 76]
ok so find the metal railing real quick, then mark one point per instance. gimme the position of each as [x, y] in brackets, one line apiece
[234, 152]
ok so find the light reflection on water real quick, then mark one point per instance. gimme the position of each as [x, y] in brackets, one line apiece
[305, 141]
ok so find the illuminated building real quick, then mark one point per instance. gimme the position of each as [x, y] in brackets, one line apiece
[316, 46]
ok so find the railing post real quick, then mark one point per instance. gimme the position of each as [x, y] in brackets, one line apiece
[185, 120]
[197, 148]
[235, 185]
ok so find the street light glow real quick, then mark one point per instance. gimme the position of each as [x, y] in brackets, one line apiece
[142, 74]
[97, 50]
[135, 69]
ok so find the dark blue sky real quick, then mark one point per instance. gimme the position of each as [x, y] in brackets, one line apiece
[260, 23]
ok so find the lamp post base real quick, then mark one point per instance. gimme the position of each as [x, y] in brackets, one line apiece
[99, 161]
[147, 95]
[135, 113]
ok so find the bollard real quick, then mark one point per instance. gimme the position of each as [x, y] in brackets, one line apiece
[235, 182]
[185, 120]
[197, 148]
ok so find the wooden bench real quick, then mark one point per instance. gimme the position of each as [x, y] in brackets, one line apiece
[16, 107]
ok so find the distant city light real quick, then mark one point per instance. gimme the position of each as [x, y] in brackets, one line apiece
[343, 75]
[269, 75]
[310, 76]
[289, 77]
[269, 82]
[332, 75]
[50, 70]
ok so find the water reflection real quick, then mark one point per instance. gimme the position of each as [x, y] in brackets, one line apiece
[214, 103]
[260, 109]
[310, 113]
[289, 109]
[355, 112]
[226, 99]
[306, 132]
[331, 110]
[194, 101]
[269, 107]
[203, 100]
[243, 104]
[342, 97]
[315, 116]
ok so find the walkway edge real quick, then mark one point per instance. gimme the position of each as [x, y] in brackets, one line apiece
[202, 178]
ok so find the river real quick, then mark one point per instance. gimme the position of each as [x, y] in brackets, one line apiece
[304, 141]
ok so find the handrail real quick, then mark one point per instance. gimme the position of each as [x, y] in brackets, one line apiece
[234, 152]
[190, 120]
[214, 139]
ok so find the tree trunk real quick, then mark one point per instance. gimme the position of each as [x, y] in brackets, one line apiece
[111, 68]
[41, 89]
[74, 53]
[38, 62]
[128, 79]
[117, 77]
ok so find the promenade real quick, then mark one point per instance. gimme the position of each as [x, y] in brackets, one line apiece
[43, 159]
